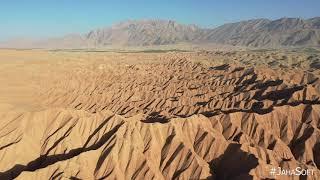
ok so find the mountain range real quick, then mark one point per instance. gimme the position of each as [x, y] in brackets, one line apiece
[257, 33]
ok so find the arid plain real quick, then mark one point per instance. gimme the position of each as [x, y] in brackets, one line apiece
[75, 114]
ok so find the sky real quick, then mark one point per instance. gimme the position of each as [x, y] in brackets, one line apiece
[44, 18]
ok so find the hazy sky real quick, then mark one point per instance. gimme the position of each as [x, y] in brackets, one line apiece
[44, 18]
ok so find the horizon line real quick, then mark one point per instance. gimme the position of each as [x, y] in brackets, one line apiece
[31, 37]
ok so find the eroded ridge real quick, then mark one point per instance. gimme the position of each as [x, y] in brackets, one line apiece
[78, 144]
[170, 119]
[180, 88]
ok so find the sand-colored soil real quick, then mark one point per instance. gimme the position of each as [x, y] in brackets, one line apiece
[175, 115]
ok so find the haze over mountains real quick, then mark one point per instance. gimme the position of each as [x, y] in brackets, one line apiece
[261, 33]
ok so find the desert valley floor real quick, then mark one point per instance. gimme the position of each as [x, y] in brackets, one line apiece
[158, 115]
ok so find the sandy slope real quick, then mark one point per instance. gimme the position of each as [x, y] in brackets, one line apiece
[197, 115]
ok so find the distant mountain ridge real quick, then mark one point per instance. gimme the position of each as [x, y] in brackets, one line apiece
[267, 33]
[145, 32]
[251, 33]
